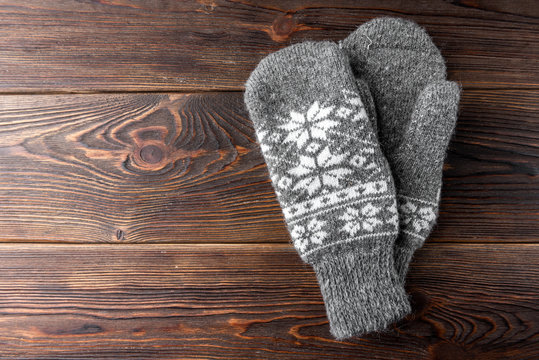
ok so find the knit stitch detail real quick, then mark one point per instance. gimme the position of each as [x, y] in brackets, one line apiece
[417, 111]
[317, 165]
[332, 181]
[417, 217]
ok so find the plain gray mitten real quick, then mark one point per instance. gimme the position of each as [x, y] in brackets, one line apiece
[332, 182]
[417, 111]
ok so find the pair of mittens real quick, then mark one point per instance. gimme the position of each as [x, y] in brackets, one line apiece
[359, 194]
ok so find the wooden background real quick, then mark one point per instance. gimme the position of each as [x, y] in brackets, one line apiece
[137, 219]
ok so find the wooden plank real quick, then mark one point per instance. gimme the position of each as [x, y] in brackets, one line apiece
[128, 45]
[187, 168]
[254, 301]
[491, 187]
[133, 168]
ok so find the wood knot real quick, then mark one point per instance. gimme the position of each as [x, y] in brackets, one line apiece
[282, 27]
[151, 154]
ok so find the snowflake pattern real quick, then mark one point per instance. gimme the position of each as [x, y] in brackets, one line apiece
[306, 235]
[417, 216]
[311, 125]
[327, 192]
[319, 171]
[368, 218]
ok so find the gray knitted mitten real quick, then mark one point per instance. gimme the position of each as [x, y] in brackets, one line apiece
[332, 182]
[417, 111]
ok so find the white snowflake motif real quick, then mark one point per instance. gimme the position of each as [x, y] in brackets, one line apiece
[306, 235]
[370, 223]
[408, 208]
[394, 219]
[369, 213]
[312, 125]
[420, 217]
[352, 225]
[370, 210]
[314, 177]
[358, 220]
[425, 217]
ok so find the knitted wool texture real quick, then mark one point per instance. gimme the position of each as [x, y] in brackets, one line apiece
[332, 182]
[417, 112]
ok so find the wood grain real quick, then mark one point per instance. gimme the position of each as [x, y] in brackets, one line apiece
[181, 250]
[491, 183]
[133, 168]
[129, 45]
[187, 168]
[254, 302]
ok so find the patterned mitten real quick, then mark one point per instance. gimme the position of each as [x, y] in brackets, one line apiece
[417, 111]
[332, 181]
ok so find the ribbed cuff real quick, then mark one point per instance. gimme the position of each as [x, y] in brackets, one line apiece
[405, 247]
[361, 292]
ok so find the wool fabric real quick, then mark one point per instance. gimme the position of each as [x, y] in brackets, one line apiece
[417, 111]
[332, 181]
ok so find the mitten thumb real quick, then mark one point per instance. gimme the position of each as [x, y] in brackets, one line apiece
[419, 158]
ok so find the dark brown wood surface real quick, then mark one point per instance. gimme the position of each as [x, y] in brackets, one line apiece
[186, 168]
[122, 45]
[254, 301]
[137, 219]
